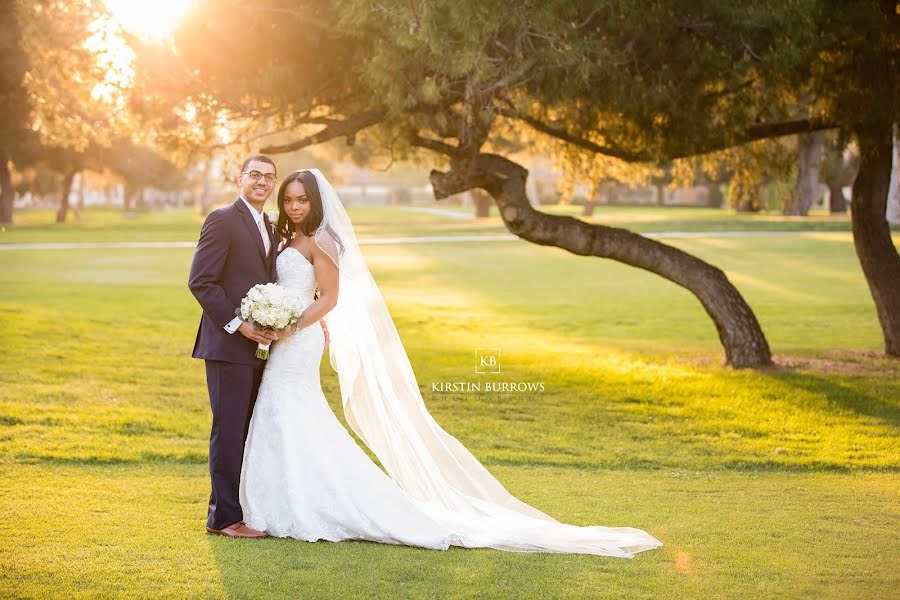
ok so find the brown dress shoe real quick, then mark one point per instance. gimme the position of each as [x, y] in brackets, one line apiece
[238, 530]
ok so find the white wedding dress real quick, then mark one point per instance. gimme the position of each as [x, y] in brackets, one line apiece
[305, 477]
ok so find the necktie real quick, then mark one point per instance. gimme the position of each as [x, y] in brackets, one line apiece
[265, 236]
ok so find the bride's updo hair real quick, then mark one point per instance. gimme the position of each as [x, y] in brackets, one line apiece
[310, 224]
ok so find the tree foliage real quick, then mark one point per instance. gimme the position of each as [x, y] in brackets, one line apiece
[648, 82]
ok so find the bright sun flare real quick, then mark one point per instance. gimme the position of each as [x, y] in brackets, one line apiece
[151, 20]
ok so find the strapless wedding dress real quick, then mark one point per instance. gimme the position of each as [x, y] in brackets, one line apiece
[304, 476]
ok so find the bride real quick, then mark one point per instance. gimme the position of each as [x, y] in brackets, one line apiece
[303, 475]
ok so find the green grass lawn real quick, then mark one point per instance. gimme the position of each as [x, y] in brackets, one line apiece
[779, 483]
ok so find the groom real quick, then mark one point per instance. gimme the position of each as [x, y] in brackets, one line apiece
[236, 251]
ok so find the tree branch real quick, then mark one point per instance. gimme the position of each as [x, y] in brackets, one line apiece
[435, 145]
[336, 129]
[757, 132]
[572, 139]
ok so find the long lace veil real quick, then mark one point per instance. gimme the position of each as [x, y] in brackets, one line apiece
[380, 396]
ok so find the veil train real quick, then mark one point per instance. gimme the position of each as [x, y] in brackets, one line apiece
[384, 407]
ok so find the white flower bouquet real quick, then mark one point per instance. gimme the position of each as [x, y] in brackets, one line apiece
[269, 306]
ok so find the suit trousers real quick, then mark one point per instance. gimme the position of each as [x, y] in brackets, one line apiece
[232, 395]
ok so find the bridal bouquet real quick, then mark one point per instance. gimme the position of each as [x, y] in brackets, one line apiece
[269, 306]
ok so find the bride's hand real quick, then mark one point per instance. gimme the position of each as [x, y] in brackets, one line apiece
[287, 331]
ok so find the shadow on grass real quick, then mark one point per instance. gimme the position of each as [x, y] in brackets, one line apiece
[838, 397]
[189, 458]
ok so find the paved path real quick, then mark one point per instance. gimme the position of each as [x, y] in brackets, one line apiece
[421, 239]
[442, 212]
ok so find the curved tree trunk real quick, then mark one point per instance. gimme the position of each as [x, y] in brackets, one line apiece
[66, 192]
[872, 235]
[739, 331]
[7, 193]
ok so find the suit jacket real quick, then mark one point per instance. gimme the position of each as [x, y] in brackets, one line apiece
[230, 259]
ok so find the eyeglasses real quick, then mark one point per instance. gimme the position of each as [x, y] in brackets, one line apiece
[255, 175]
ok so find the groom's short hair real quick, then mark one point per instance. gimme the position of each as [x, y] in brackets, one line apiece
[260, 158]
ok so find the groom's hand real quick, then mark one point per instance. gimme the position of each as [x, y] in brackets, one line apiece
[259, 336]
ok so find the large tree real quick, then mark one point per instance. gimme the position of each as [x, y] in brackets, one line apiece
[63, 79]
[15, 132]
[859, 80]
[638, 82]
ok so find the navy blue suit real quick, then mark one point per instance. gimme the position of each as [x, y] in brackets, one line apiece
[230, 259]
